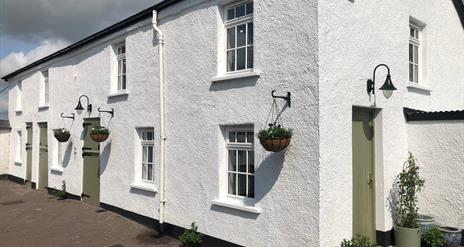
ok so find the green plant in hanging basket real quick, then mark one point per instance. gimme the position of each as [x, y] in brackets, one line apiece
[99, 134]
[62, 134]
[275, 138]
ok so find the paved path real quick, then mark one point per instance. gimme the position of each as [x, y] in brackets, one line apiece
[30, 218]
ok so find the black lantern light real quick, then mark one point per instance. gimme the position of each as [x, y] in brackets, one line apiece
[387, 87]
[79, 107]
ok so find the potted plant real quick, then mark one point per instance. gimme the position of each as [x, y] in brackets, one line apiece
[433, 238]
[451, 235]
[407, 231]
[275, 138]
[357, 241]
[99, 134]
[191, 237]
[62, 134]
[426, 222]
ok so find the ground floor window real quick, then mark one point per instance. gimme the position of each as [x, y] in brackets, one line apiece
[146, 147]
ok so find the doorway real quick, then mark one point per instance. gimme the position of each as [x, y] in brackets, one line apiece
[43, 156]
[29, 154]
[363, 172]
[91, 168]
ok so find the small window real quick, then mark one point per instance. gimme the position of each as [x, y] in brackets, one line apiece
[19, 145]
[45, 88]
[414, 52]
[239, 32]
[240, 162]
[147, 153]
[121, 60]
[19, 98]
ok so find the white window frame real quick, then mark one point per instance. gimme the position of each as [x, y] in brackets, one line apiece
[121, 67]
[61, 147]
[19, 96]
[415, 43]
[45, 88]
[234, 23]
[143, 142]
[237, 146]
[19, 147]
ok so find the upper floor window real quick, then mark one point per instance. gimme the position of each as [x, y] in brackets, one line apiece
[121, 59]
[415, 39]
[239, 29]
[240, 162]
[45, 88]
[19, 96]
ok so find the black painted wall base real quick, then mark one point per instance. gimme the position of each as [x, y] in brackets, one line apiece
[52, 191]
[15, 179]
[3, 176]
[33, 185]
[385, 238]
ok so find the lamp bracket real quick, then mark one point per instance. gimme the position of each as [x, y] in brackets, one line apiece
[72, 116]
[286, 98]
[110, 112]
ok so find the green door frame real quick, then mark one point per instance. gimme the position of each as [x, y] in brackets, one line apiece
[29, 141]
[91, 164]
[363, 148]
[43, 157]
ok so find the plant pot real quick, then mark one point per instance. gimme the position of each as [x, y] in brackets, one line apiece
[453, 236]
[97, 137]
[407, 237]
[61, 135]
[426, 223]
[276, 144]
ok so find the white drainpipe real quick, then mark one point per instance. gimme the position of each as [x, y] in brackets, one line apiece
[162, 119]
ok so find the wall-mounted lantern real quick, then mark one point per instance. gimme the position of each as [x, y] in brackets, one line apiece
[387, 87]
[79, 107]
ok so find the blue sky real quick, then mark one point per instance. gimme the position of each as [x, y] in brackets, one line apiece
[32, 29]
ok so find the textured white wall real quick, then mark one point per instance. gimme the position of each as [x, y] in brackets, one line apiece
[439, 149]
[4, 151]
[354, 38]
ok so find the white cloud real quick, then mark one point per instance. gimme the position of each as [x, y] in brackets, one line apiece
[16, 60]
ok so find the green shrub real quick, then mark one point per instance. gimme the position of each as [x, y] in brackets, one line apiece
[100, 130]
[433, 238]
[61, 194]
[191, 237]
[275, 132]
[357, 241]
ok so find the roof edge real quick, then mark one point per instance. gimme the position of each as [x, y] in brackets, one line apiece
[418, 115]
[98, 35]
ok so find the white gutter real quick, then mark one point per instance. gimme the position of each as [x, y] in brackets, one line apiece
[159, 33]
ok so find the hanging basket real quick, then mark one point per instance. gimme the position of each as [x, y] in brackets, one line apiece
[275, 138]
[99, 134]
[62, 135]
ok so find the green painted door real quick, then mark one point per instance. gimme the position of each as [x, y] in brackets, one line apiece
[43, 156]
[91, 169]
[363, 174]
[29, 153]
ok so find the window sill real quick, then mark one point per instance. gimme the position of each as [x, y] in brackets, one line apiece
[413, 85]
[56, 169]
[236, 205]
[144, 186]
[43, 107]
[233, 76]
[119, 93]
[18, 163]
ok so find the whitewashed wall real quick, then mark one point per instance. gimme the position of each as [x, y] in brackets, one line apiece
[354, 37]
[439, 149]
[4, 151]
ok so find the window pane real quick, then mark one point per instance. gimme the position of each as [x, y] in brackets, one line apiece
[411, 72]
[250, 137]
[241, 35]
[144, 171]
[232, 160]
[249, 8]
[251, 162]
[251, 186]
[123, 49]
[232, 183]
[242, 161]
[124, 66]
[150, 154]
[231, 38]
[123, 84]
[149, 136]
[241, 57]
[240, 11]
[119, 67]
[240, 136]
[150, 172]
[231, 14]
[411, 32]
[250, 57]
[231, 136]
[416, 73]
[242, 185]
[416, 54]
[411, 53]
[250, 33]
[144, 154]
[231, 61]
